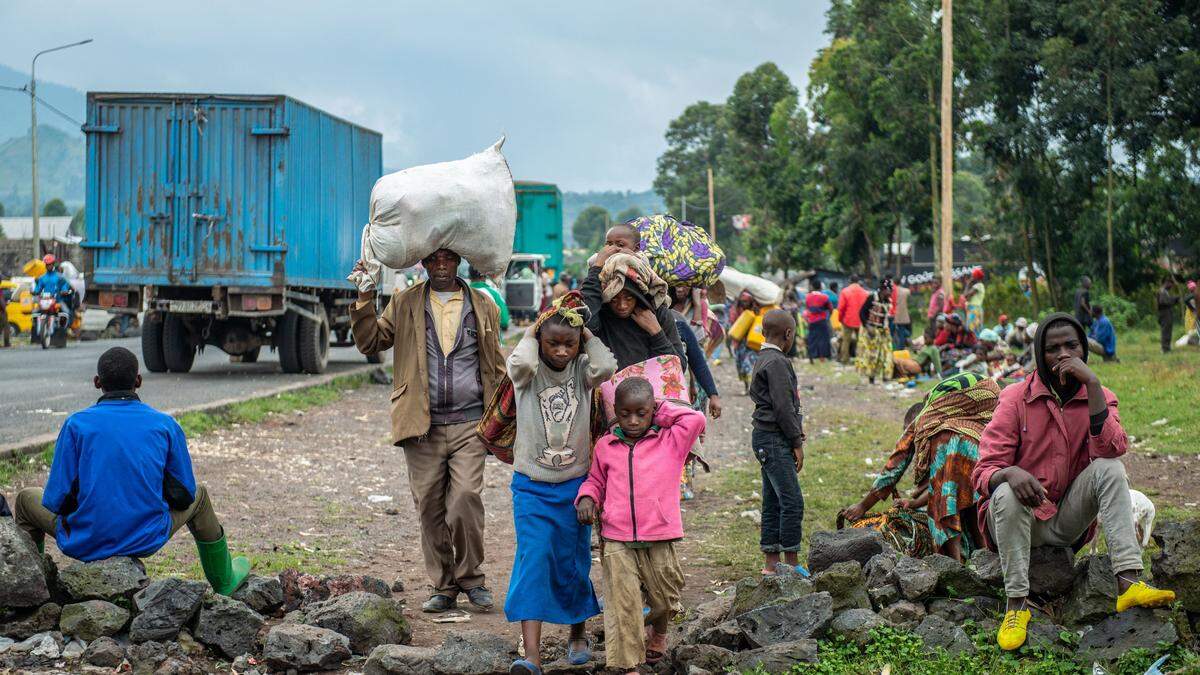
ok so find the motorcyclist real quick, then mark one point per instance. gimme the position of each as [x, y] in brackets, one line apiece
[53, 282]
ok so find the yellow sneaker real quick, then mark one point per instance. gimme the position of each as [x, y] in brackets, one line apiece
[1013, 629]
[1142, 595]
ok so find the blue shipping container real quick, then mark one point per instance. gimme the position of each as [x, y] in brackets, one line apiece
[206, 190]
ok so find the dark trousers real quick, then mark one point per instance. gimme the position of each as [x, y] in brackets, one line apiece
[782, 502]
[1166, 325]
[900, 334]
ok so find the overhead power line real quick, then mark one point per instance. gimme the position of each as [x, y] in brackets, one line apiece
[51, 108]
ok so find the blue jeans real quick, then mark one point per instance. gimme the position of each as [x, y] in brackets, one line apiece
[782, 502]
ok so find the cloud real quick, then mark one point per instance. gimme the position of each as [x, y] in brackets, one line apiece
[584, 92]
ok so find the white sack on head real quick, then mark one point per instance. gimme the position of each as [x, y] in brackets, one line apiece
[468, 206]
[764, 291]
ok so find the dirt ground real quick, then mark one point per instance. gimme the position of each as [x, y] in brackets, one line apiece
[327, 488]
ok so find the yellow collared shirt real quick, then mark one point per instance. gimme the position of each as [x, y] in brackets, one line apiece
[446, 318]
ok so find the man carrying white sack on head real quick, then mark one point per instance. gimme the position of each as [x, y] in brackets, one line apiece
[447, 361]
[446, 368]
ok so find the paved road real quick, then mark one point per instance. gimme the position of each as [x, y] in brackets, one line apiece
[38, 389]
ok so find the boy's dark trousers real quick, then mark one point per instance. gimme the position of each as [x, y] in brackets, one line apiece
[782, 502]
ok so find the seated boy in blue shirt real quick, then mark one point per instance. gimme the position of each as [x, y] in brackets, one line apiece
[121, 483]
[1102, 337]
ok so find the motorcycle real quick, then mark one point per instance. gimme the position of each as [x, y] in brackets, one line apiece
[50, 320]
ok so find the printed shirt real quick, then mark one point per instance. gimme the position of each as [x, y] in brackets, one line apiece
[553, 441]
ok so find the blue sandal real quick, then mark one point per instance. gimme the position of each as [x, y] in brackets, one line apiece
[578, 658]
[523, 667]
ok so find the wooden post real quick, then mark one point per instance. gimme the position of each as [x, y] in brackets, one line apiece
[712, 213]
[947, 238]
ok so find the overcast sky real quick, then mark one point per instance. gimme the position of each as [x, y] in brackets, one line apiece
[584, 92]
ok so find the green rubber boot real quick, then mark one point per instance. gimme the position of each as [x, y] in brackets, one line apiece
[224, 573]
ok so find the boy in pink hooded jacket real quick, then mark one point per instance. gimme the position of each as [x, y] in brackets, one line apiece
[633, 490]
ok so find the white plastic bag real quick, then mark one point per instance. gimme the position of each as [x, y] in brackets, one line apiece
[764, 291]
[468, 206]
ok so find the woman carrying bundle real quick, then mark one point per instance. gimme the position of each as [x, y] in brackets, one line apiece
[629, 307]
[942, 446]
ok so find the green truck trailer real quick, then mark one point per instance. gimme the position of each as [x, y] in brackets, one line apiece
[540, 222]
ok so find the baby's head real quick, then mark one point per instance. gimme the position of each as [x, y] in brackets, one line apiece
[634, 405]
[779, 328]
[558, 341]
[623, 236]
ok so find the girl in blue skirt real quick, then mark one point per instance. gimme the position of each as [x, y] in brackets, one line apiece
[554, 370]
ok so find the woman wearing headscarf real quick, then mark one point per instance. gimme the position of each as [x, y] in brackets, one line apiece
[942, 446]
[630, 308]
[874, 357]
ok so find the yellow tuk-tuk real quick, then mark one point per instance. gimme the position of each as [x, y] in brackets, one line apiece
[20, 304]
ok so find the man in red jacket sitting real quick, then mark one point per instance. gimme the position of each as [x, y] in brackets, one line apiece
[1048, 465]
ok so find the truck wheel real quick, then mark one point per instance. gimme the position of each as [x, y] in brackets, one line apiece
[287, 342]
[314, 343]
[152, 344]
[178, 353]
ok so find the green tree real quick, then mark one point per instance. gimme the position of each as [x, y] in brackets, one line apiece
[55, 208]
[628, 214]
[590, 226]
[1, 209]
[696, 140]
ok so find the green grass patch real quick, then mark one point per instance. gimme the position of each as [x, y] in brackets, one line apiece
[1153, 387]
[257, 409]
[15, 468]
[834, 476]
[178, 559]
[902, 653]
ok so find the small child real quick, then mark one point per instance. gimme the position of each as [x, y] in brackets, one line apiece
[778, 440]
[553, 369]
[633, 488]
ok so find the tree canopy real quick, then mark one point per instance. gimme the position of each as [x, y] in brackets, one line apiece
[590, 225]
[55, 208]
[1069, 115]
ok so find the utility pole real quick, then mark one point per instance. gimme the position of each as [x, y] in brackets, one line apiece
[947, 239]
[712, 213]
[37, 232]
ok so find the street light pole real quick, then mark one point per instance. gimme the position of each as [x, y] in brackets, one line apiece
[33, 158]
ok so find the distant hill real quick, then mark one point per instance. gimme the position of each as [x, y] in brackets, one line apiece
[615, 201]
[60, 170]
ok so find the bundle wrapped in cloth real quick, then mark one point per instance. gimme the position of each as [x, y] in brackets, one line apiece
[468, 206]
[764, 291]
[681, 253]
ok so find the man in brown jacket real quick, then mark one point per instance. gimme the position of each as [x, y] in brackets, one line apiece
[447, 364]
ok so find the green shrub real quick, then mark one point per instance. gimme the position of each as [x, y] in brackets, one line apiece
[1004, 296]
[1123, 313]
